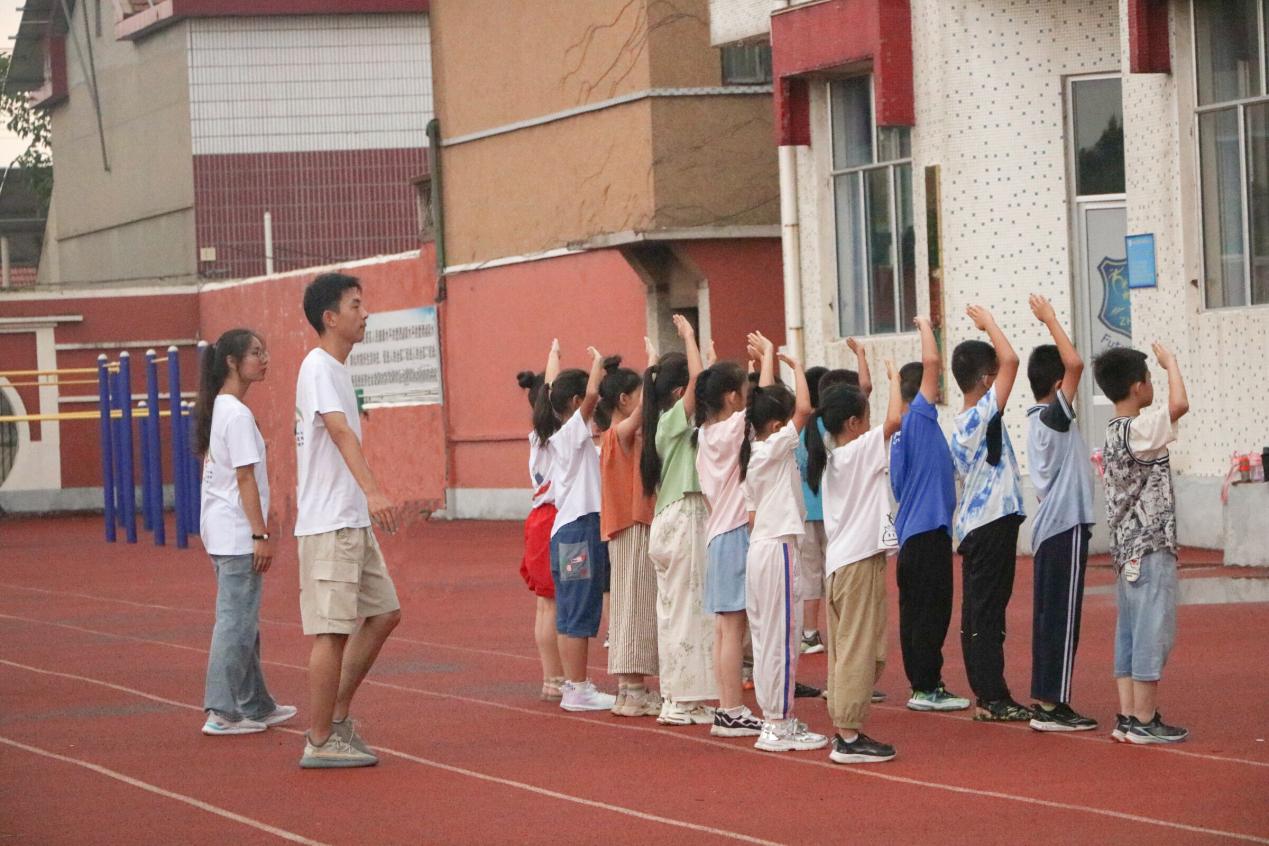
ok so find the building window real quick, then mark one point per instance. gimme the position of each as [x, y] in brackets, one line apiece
[872, 198]
[1232, 92]
[747, 64]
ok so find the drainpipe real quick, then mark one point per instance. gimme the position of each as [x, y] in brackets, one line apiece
[790, 243]
[438, 207]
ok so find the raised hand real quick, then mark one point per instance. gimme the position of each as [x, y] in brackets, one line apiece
[892, 372]
[683, 327]
[1164, 355]
[921, 321]
[789, 360]
[854, 344]
[711, 354]
[595, 355]
[1042, 308]
[980, 316]
[651, 349]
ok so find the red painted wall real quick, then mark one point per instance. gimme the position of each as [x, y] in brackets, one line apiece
[746, 290]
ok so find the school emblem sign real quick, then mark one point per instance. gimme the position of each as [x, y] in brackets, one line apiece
[1116, 311]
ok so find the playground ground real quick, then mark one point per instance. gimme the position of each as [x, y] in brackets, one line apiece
[103, 650]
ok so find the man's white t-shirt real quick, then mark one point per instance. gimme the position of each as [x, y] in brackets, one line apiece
[773, 486]
[857, 501]
[329, 496]
[574, 472]
[235, 442]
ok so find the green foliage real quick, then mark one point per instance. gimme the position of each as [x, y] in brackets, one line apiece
[32, 125]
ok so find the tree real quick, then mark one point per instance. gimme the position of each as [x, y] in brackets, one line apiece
[31, 124]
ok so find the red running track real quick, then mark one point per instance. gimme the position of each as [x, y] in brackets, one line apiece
[103, 650]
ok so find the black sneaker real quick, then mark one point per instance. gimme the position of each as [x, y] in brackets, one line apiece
[878, 696]
[744, 724]
[1155, 731]
[1061, 718]
[862, 750]
[1120, 734]
[1001, 711]
[805, 691]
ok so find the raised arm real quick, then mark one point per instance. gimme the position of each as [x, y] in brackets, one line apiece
[1178, 400]
[1005, 356]
[711, 355]
[894, 408]
[1072, 364]
[651, 350]
[931, 363]
[861, 365]
[802, 408]
[382, 509]
[694, 365]
[762, 350]
[591, 399]
[552, 362]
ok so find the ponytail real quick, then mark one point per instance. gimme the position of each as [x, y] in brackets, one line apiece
[772, 404]
[713, 384]
[660, 381]
[553, 400]
[617, 382]
[545, 423]
[816, 452]
[211, 378]
[531, 382]
[838, 404]
[702, 406]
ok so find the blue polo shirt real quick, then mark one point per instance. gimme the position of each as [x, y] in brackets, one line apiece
[921, 473]
[814, 505]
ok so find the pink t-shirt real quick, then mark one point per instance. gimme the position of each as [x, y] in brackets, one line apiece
[718, 466]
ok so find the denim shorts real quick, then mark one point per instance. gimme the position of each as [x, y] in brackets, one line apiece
[725, 578]
[579, 569]
[1146, 626]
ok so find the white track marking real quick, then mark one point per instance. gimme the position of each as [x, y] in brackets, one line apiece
[166, 794]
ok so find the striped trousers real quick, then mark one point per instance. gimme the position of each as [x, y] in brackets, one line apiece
[632, 611]
[775, 622]
[1059, 596]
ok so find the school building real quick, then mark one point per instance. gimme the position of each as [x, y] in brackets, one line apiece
[938, 153]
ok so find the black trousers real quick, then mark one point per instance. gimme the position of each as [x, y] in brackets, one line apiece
[1059, 598]
[990, 555]
[925, 606]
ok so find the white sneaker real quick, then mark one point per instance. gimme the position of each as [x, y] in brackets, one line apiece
[280, 714]
[583, 696]
[217, 725]
[685, 713]
[788, 736]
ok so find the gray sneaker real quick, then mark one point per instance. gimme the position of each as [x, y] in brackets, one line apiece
[335, 752]
[347, 729]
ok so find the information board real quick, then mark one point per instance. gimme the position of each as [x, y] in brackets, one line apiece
[399, 361]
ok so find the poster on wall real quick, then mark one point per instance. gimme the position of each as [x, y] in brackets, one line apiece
[399, 361]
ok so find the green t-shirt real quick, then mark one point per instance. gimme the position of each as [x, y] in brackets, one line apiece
[678, 457]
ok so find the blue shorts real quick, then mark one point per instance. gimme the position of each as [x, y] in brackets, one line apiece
[725, 578]
[579, 569]
[1146, 626]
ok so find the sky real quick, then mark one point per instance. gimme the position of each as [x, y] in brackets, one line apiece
[10, 145]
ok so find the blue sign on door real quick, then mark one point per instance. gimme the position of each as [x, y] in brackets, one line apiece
[1141, 269]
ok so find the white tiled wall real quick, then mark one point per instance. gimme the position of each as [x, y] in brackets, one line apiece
[740, 20]
[291, 84]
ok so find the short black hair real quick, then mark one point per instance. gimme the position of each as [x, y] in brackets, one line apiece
[813, 376]
[838, 376]
[1044, 367]
[971, 361]
[910, 376]
[323, 294]
[1118, 369]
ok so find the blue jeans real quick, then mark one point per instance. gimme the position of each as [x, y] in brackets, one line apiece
[235, 682]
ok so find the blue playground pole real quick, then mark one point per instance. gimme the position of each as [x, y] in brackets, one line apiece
[128, 474]
[143, 444]
[196, 472]
[117, 435]
[194, 485]
[155, 437]
[179, 448]
[107, 448]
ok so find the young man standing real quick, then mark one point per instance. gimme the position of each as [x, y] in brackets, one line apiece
[343, 576]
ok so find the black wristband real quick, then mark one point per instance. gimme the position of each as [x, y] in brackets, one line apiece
[265, 536]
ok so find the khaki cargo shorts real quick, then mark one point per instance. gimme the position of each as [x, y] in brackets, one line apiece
[342, 577]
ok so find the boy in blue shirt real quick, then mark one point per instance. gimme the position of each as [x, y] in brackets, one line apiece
[991, 512]
[924, 484]
[1063, 480]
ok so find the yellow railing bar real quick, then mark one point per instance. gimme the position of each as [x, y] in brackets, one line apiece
[67, 370]
[46, 384]
[74, 415]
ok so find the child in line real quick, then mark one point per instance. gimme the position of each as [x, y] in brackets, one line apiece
[677, 543]
[924, 484]
[1063, 480]
[850, 465]
[990, 513]
[1141, 512]
[624, 519]
[579, 558]
[722, 390]
[773, 496]
[535, 566]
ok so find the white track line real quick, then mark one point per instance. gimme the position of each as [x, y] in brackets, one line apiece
[681, 736]
[578, 800]
[1078, 736]
[167, 794]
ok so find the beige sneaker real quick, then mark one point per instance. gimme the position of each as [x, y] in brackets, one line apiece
[619, 705]
[551, 689]
[347, 729]
[639, 703]
[335, 752]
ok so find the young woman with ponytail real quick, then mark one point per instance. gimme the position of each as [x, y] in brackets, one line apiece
[676, 544]
[535, 566]
[235, 532]
[625, 520]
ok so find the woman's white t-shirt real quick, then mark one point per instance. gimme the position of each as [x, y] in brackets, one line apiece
[329, 497]
[773, 486]
[235, 442]
[574, 472]
[857, 501]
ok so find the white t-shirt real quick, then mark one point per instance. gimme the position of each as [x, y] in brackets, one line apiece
[718, 467]
[773, 486]
[329, 496]
[574, 472]
[540, 472]
[235, 442]
[856, 501]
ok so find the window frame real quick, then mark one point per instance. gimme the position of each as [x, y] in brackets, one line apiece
[863, 287]
[1240, 106]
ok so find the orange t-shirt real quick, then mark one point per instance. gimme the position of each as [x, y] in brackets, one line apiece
[622, 503]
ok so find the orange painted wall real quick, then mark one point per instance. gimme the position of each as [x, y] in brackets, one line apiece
[746, 290]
